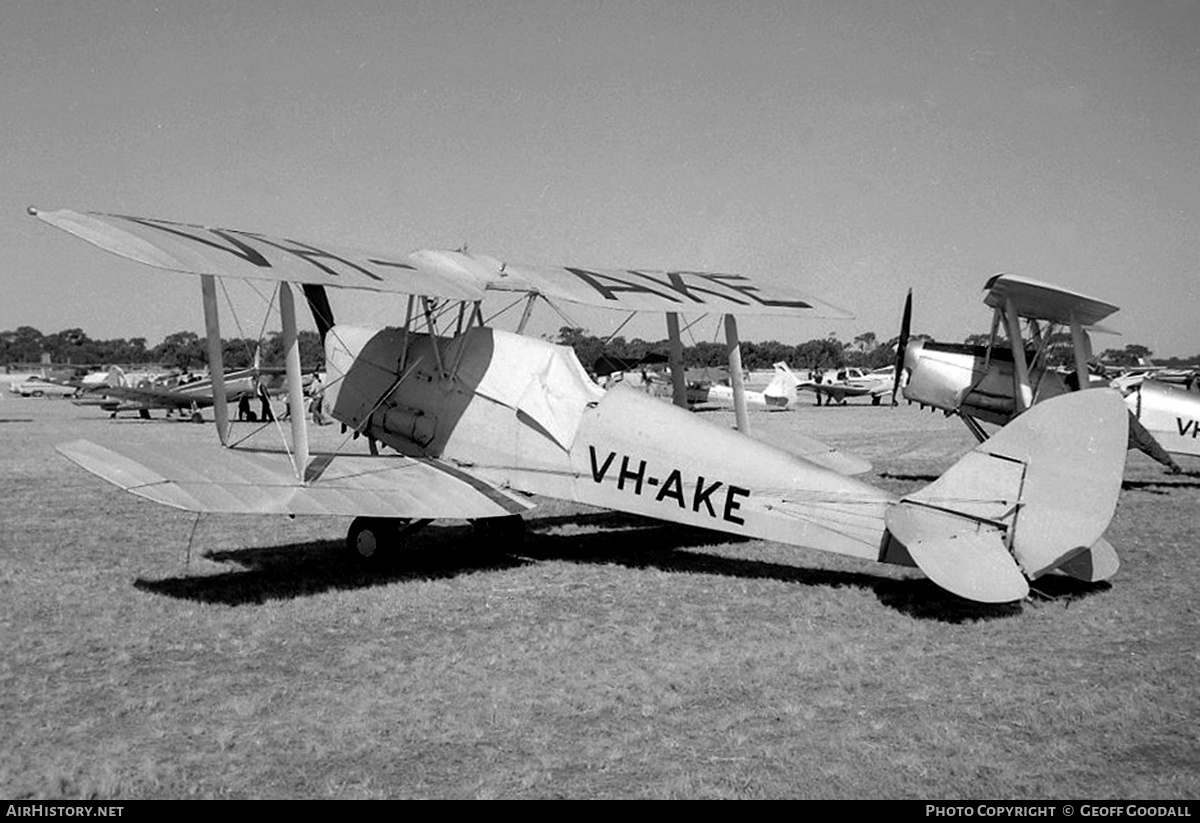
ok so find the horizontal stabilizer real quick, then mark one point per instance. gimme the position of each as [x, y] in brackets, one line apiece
[1097, 563]
[1023, 501]
[958, 553]
[238, 481]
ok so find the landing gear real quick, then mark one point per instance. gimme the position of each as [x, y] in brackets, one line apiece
[197, 417]
[371, 539]
[500, 534]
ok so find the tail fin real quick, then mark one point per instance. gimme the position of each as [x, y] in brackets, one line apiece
[116, 377]
[1037, 493]
[783, 384]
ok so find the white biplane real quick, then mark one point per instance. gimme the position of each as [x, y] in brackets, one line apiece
[474, 419]
[993, 384]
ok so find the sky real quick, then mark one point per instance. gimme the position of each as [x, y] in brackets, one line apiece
[848, 150]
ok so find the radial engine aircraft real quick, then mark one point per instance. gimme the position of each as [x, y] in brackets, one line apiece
[472, 419]
[993, 384]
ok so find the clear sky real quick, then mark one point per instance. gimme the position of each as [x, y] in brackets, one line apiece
[851, 150]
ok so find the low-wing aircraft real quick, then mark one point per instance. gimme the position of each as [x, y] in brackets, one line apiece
[474, 418]
[835, 385]
[178, 393]
[993, 384]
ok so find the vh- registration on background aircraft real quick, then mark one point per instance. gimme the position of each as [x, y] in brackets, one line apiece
[472, 419]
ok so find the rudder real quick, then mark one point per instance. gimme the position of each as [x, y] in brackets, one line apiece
[1040, 488]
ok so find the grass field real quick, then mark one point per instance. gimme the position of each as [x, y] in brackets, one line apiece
[144, 653]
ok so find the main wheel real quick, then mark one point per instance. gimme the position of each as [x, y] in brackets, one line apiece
[370, 539]
[197, 417]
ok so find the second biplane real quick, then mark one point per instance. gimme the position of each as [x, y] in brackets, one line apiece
[473, 419]
[992, 384]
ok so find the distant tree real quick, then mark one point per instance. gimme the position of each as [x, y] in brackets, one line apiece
[826, 353]
[706, 354]
[865, 342]
[312, 355]
[181, 350]
[24, 345]
[1131, 355]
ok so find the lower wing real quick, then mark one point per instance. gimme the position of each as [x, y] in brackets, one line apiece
[236, 481]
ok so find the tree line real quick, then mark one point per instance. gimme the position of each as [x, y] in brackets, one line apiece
[865, 351]
[187, 351]
[183, 350]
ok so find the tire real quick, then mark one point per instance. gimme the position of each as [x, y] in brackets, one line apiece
[372, 539]
[197, 417]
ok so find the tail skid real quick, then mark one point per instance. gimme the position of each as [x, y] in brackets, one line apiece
[1035, 496]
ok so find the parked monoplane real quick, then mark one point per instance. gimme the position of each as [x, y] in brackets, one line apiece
[471, 419]
[184, 394]
[836, 385]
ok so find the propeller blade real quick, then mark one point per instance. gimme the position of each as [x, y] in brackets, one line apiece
[902, 344]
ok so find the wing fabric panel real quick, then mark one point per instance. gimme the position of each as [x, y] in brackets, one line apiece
[195, 249]
[1045, 301]
[690, 292]
[454, 275]
[237, 481]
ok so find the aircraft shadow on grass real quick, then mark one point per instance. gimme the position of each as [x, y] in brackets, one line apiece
[442, 552]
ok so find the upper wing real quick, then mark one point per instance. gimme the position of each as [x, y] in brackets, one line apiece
[1044, 301]
[665, 291]
[237, 481]
[447, 274]
[227, 253]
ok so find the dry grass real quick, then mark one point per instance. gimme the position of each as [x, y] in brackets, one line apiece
[616, 657]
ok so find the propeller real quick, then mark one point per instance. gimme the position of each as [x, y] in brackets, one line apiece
[902, 344]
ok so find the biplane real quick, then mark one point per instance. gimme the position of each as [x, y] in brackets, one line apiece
[467, 421]
[992, 384]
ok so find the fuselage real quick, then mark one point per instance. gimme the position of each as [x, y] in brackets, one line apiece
[521, 413]
[964, 379]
